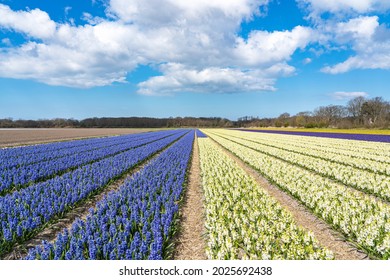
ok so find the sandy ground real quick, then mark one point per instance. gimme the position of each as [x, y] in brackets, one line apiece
[190, 241]
[16, 137]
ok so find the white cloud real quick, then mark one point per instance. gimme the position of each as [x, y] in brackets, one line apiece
[166, 12]
[368, 39]
[34, 23]
[6, 41]
[264, 47]
[196, 43]
[52, 66]
[360, 28]
[90, 19]
[352, 25]
[67, 10]
[342, 95]
[318, 7]
[178, 78]
[75, 56]
[362, 61]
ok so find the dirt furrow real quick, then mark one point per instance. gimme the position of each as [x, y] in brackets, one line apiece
[190, 241]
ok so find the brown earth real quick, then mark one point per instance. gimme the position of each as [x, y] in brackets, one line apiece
[327, 237]
[25, 136]
[190, 241]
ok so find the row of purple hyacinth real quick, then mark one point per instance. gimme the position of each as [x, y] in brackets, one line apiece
[136, 222]
[24, 212]
[200, 134]
[18, 177]
[47, 147]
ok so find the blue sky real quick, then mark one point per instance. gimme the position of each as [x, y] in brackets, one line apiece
[168, 58]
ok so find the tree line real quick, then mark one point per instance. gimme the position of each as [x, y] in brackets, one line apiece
[133, 122]
[359, 112]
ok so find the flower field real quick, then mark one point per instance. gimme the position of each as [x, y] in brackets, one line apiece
[363, 135]
[345, 184]
[134, 223]
[362, 218]
[243, 221]
[24, 212]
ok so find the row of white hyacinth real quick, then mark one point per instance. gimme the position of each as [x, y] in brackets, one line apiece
[361, 218]
[359, 159]
[368, 148]
[371, 147]
[242, 220]
[364, 180]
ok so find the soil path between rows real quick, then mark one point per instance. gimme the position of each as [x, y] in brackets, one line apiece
[326, 236]
[190, 241]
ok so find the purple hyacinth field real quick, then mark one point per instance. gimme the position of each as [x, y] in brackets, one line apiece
[41, 184]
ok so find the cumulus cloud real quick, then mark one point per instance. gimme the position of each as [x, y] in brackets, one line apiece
[34, 23]
[318, 7]
[74, 56]
[195, 42]
[6, 42]
[264, 47]
[90, 19]
[368, 39]
[343, 95]
[362, 61]
[155, 12]
[351, 26]
[178, 77]
[360, 28]
[52, 66]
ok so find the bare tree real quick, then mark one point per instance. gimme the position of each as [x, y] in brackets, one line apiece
[284, 116]
[302, 118]
[375, 110]
[330, 114]
[354, 108]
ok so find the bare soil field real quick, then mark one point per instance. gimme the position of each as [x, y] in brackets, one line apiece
[25, 136]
